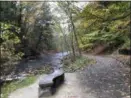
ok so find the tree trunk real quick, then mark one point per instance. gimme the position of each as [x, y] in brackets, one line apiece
[64, 37]
[73, 49]
[75, 35]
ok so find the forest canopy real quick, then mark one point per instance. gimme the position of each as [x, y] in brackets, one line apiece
[25, 30]
[31, 28]
[105, 24]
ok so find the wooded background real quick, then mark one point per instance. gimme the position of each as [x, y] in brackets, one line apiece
[30, 28]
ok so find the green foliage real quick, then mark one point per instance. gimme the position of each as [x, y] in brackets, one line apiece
[79, 64]
[103, 23]
[6, 89]
[8, 11]
[25, 30]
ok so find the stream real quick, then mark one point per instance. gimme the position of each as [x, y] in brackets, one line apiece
[53, 60]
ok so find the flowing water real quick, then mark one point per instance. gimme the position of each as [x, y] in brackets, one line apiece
[53, 59]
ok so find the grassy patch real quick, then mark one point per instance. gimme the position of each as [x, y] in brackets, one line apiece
[127, 44]
[7, 88]
[79, 64]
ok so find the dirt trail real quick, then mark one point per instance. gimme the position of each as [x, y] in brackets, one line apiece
[108, 78]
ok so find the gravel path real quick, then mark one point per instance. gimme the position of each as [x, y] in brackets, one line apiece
[108, 78]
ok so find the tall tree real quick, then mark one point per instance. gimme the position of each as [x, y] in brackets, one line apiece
[69, 9]
[25, 30]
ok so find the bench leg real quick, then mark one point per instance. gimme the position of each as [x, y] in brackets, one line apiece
[62, 78]
[53, 90]
[45, 92]
[57, 82]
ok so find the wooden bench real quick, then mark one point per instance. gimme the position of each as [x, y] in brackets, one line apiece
[48, 85]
